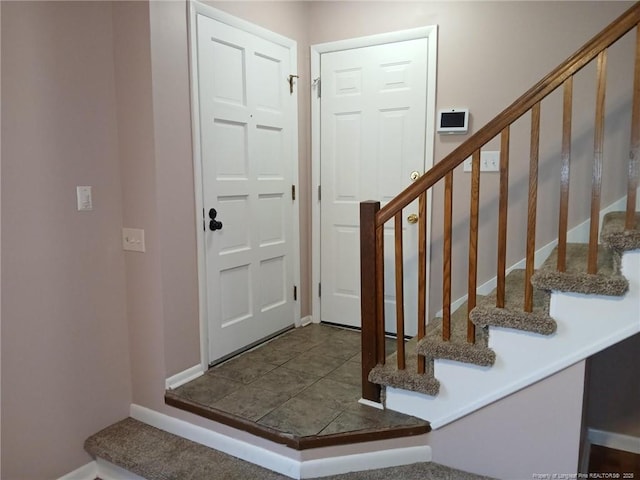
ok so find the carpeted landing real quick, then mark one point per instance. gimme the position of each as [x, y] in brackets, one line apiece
[607, 281]
[157, 455]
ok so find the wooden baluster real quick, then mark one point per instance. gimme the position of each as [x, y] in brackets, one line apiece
[446, 257]
[380, 294]
[634, 154]
[368, 297]
[399, 291]
[473, 244]
[596, 181]
[533, 203]
[502, 216]
[567, 112]
[422, 272]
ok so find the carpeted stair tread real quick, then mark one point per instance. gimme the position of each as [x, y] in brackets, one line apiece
[407, 379]
[614, 235]
[158, 455]
[416, 471]
[513, 314]
[456, 348]
[607, 280]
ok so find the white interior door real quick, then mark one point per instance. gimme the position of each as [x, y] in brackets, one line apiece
[247, 129]
[373, 121]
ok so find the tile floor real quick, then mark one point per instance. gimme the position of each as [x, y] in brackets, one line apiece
[305, 382]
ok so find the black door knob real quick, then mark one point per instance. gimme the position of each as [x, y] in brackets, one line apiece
[214, 224]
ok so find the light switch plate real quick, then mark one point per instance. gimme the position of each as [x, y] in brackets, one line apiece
[489, 162]
[83, 197]
[133, 239]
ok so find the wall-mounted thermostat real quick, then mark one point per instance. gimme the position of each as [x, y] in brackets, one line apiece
[453, 121]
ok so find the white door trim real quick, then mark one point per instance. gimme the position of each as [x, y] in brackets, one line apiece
[195, 8]
[431, 33]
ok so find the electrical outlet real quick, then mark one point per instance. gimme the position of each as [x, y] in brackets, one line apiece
[489, 162]
[133, 239]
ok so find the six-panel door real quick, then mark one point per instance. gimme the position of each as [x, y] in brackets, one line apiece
[246, 127]
[373, 117]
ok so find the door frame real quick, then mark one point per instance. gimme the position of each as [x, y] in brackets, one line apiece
[195, 8]
[429, 32]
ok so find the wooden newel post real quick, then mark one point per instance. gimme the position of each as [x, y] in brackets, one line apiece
[368, 297]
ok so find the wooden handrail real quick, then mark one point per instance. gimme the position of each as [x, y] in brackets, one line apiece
[540, 90]
[374, 218]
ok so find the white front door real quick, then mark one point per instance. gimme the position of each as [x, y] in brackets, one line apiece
[373, 120]
[247, 134]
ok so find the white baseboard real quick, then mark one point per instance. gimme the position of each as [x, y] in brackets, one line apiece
[109, 471]
[617, 441]
[381, 454]
[308, 469]
[183, 377]
[232, 446]
[85, 472]
[365, 461]
[101, 469]
[304, 321]
[371, 404]
[585, 452]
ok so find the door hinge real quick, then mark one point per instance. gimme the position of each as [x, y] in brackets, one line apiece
[293, 192]
[295, 293]
[319, 289]
[204, 221]
[319, 193]
[291, 77]
[316, 83]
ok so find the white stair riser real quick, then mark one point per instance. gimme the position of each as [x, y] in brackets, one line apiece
[586, 325]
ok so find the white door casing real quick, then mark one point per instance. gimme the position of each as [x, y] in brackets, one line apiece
[371, 128]
[245, 159]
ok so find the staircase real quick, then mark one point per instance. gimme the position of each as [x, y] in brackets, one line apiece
[562, 329]
[537, 318]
